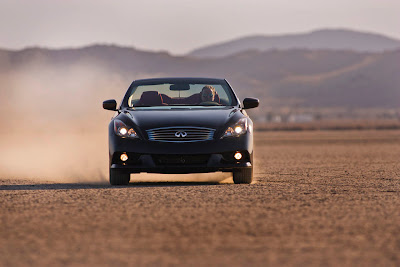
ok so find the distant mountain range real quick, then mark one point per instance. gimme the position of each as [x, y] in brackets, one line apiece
[75, 81]
[332, 39]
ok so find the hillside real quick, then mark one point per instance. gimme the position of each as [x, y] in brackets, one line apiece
[332, 39]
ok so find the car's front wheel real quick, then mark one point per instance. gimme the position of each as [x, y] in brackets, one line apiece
[119, 178]
[243, 176]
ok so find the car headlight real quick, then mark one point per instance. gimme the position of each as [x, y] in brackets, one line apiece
[237, 129]
[122, 130]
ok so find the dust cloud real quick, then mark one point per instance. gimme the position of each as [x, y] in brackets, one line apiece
[53, 125]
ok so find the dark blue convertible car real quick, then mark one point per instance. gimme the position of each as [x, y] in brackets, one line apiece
[180, 125]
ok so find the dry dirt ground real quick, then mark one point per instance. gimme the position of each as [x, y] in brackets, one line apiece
[323, 198]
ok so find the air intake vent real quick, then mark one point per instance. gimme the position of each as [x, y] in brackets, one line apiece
[181, 159]
[181, 134]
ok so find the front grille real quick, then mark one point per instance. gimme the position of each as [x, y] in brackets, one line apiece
[181, 159]
[181, 134]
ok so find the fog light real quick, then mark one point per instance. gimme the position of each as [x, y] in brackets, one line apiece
[238, 155]
[124, 157]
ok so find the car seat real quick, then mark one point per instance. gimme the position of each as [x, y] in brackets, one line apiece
[150, 98]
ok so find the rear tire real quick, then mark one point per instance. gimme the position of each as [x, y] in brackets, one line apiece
[244, 176]
[119, 178]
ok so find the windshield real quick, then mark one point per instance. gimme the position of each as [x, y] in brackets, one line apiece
[180, 94]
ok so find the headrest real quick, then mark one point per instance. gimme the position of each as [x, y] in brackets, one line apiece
[151, 98]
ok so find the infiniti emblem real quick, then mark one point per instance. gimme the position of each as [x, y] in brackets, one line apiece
[180, 134]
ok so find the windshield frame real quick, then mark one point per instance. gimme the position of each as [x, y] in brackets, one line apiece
[222, 82]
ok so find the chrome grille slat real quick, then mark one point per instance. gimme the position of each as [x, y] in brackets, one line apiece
[163, 134]
[186, 130]
[192, 134]
[180, 138]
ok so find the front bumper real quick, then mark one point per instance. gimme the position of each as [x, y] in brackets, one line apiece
[180, 163]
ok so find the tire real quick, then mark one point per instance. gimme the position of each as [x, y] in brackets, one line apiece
[119, 178]
[244, 176]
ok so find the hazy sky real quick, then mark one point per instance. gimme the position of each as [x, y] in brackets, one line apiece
[179, 26]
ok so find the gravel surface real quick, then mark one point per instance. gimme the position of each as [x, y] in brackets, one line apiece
[319, 198]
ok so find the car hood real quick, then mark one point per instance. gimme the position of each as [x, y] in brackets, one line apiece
[210, 118]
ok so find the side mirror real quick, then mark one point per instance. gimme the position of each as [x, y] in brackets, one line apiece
[250, 103]
[110, 104]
